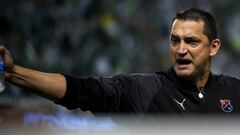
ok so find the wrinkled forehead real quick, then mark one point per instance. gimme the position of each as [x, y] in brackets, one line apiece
[187, 27]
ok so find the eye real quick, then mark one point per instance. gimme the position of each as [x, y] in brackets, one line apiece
[192, 41]
[174, 40]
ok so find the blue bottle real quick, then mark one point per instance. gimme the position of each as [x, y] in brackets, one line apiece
[2, 80]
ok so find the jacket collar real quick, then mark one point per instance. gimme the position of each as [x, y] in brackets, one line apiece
[186, 85]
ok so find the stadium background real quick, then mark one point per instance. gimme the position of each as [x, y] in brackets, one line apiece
[96, 37]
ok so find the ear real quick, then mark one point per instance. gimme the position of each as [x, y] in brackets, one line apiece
[214, 47]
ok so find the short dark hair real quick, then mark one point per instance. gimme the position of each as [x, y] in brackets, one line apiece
[196, 14]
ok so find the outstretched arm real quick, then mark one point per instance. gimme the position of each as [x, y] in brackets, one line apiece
[48, 85]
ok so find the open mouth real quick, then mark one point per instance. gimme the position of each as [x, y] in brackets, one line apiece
[183, 61]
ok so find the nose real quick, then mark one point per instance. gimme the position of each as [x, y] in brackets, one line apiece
[182, 49]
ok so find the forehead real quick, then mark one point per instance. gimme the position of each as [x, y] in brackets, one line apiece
[187, 28]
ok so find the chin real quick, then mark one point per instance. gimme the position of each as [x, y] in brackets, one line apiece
[183, 73]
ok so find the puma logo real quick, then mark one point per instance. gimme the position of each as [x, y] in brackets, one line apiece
[180, 103]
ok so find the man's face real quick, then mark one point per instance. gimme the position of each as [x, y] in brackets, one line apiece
[189, 48]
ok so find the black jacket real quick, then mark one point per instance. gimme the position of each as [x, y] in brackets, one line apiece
[161, 92]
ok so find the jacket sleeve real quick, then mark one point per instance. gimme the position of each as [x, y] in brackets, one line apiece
[97, 94]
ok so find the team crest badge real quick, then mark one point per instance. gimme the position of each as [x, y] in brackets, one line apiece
[226, 105]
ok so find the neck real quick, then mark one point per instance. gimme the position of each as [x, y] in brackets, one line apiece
[199, 81]
[202, 80]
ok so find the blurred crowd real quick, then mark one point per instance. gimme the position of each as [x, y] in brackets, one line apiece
[106, 37]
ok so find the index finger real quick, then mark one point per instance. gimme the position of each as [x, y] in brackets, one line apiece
[2, 50]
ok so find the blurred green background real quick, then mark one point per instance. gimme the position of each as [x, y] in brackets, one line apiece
[106, 37]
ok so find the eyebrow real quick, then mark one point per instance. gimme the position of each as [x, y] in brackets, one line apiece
[172, 35]
[190, 37]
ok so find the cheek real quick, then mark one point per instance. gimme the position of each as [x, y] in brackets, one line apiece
[172, 51]
[201, 57]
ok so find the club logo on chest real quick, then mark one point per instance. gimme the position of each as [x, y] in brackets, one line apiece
[226, 105]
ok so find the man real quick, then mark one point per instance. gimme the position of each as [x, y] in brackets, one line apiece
[187, 87]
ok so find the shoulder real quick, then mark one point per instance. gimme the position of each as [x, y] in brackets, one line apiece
[158, 79]
[152, 79]
[227, 80]
[137, 77]
[160, 75]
